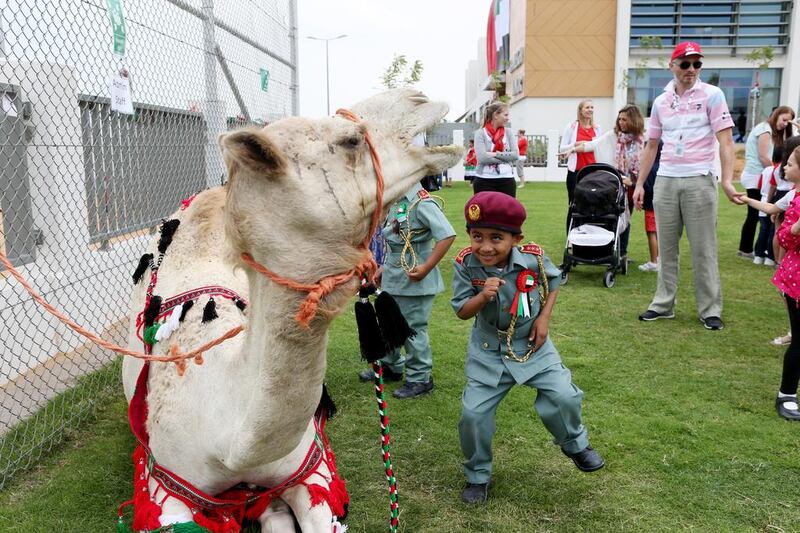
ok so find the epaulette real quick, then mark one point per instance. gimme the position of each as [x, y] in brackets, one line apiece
[531, 248]
[423, 194]
[463, 254]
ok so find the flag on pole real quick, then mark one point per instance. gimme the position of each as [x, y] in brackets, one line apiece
[491, 43]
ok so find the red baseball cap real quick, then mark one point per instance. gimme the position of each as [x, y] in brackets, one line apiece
[686, 48]
[492, 209]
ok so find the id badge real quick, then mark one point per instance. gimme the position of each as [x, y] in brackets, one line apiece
[679, 149]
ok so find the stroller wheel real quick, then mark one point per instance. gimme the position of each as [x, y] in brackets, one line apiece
[609, 279]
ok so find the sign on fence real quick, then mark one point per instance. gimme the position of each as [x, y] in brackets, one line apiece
[264, 79]
[117, 25]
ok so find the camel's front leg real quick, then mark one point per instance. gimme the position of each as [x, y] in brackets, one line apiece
[316, 519]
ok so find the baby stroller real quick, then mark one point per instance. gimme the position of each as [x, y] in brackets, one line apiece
[598, 217]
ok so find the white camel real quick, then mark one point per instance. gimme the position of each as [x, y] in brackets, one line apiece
[299, 199]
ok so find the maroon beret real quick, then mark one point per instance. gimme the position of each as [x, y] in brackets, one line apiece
[491, 209]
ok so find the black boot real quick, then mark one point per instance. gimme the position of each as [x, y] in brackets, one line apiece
[587, 460]
[412, 390]
[475, 493]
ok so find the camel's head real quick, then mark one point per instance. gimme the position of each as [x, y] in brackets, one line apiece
[302, 191]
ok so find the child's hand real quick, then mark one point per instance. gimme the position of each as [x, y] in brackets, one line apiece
[795, 228]
[539, 330]
[417, 273]
[491, 287]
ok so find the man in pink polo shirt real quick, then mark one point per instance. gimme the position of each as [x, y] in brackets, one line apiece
[691, 118]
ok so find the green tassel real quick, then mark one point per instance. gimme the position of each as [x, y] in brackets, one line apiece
[122, 527]
[188, 527]
[150, 334]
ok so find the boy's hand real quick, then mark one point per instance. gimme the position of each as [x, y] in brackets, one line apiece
[417, 273]
[539, 330]
[491, 287]
[376, 279]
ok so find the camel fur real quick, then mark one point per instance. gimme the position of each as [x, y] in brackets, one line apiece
[299, 199]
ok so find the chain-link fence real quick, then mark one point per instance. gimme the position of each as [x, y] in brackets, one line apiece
[109, 115]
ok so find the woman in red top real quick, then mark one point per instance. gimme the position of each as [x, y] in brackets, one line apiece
[787, 279]
[582, 130]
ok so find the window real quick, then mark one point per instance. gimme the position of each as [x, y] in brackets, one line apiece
[646, 84]
[714, 23]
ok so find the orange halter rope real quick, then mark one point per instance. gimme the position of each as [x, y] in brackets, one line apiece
[367, 267]
[308, 308]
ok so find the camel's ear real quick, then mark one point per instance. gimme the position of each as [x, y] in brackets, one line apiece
[253, 149]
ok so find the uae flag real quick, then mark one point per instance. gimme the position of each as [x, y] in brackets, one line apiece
[497, 33]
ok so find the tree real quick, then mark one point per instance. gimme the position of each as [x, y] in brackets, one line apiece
[400, 74]
[760, 58]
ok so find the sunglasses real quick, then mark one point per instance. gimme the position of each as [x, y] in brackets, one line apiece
[684, 65]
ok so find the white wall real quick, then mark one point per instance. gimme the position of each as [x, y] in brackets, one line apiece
[538, 115]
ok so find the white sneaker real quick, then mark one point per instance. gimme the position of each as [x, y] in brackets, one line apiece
[769, 262]
[782, 341]
[758, 260]
[649, 267]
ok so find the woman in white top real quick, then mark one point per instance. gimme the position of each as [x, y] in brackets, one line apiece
[758, 154]
[497, 152]
[581, 130]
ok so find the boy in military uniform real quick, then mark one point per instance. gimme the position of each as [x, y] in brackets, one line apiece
[411, 275]
[511, 291]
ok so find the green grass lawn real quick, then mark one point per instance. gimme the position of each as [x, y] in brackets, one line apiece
[684, 417]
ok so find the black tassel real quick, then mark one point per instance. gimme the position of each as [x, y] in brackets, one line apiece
[144, 262]
[240, 304]
[151, 313]
[210, 311]
[326, 402]
[369, 333]
[186, 306]
[167, 232]
[394, 327]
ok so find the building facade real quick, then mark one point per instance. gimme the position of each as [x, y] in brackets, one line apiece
[616, 51]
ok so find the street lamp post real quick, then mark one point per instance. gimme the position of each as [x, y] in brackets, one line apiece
[327, 73]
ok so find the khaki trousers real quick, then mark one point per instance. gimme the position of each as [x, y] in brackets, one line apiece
[689, 203]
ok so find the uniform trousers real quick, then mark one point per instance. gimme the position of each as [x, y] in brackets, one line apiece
[558, 403]
[689, 203]
[418, 360]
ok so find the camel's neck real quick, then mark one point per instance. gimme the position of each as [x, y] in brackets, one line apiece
[281, 373]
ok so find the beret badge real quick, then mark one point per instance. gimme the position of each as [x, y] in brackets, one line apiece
[474, 212]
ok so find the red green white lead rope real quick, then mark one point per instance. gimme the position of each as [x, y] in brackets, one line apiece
[394, 505]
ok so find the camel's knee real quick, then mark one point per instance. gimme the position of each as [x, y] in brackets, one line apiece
[277, 518]
[173, 511]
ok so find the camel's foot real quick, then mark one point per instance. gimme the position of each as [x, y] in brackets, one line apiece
[278, 518]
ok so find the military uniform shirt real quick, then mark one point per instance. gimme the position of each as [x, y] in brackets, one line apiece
[426, 222]
[487, 352]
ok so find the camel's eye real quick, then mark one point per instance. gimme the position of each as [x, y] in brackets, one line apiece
[351, 142]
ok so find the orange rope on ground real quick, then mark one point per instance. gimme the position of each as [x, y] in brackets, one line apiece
[317, 291]
[175, 356]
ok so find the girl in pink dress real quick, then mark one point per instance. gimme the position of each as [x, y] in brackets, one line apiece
[787, 280]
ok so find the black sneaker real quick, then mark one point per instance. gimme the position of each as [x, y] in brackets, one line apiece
[650, 315]
[475, 493]
[388, 375]
[412, 390]
[788, 414]
[712, 322]
[587, 460]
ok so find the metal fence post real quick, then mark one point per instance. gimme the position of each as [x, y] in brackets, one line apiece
[215, 116]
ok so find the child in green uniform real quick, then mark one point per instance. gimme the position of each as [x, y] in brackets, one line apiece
[511, 291]
[411, 275]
